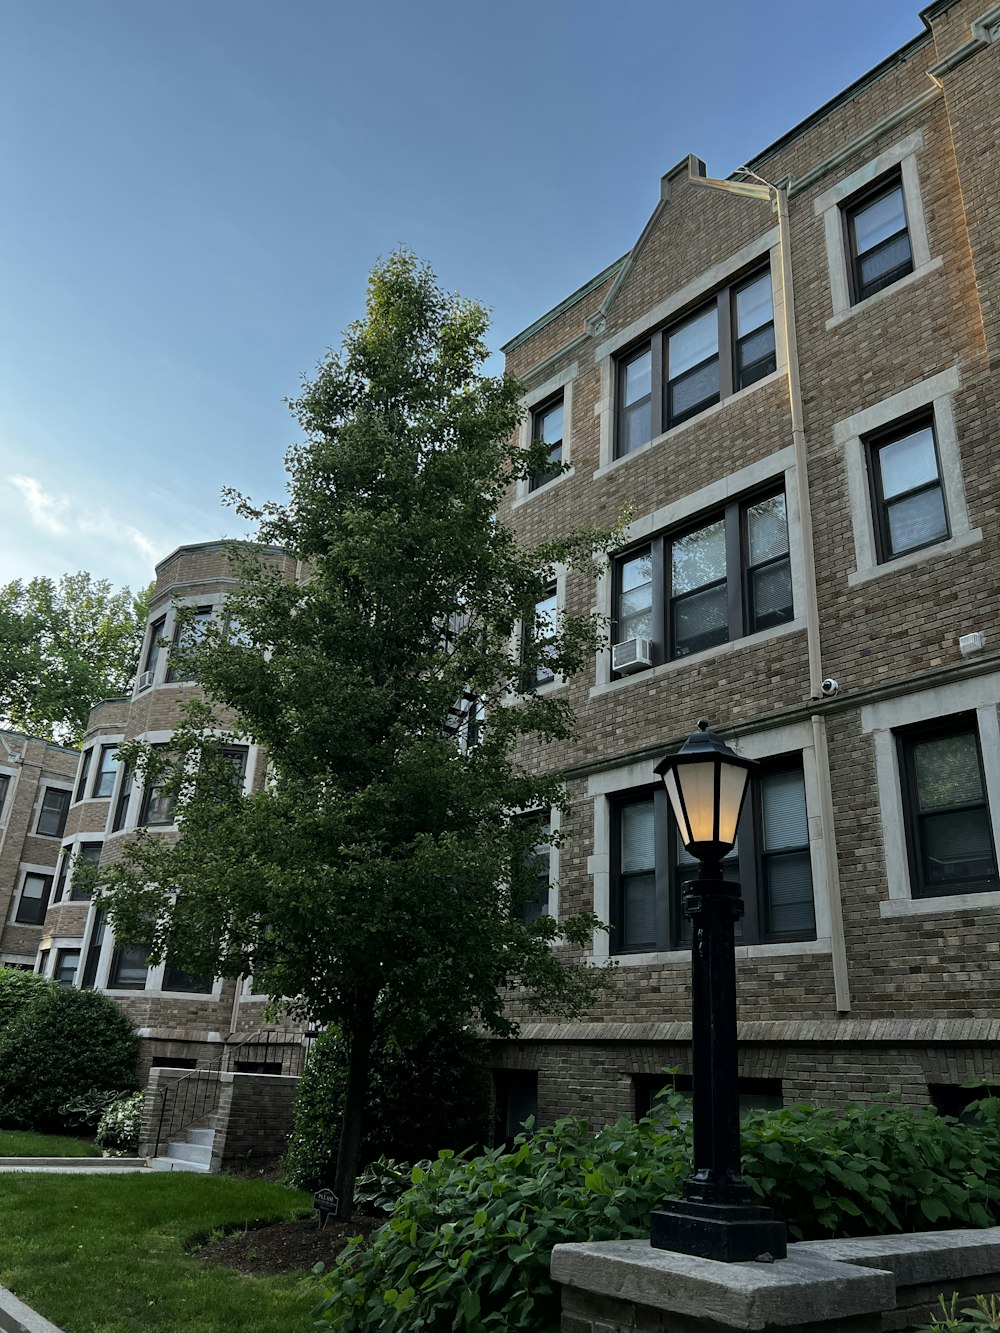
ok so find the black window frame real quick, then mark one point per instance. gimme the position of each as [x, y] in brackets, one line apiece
[534, 672]
[741, 617]
[151, 793]
[4, 789]
[656, 344]
[671, 932]
[83, 895]
[921, 885]
[102, 772]
[81, 782]
[61, 955]
[58, 832]
[542, 821]
[114, 981]
[194, 615]
[120, 818]
[39, 906]
[874, 444]
[538, 414]
[849, 211]
[155, 646]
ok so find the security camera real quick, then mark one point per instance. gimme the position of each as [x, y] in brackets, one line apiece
[829, 689]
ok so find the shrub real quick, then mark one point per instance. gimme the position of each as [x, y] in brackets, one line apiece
[18, 989]
[118, 1128]
[981, 1317]
[65, 1043]
[467, 1245]
[421, 1101]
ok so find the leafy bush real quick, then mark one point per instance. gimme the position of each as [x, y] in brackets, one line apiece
[432, 1097]
[384, 1182]
[118, 1129]
[65, 1043]
[982, 1317]
[467, 1245]
[86, 1110]
[18, 989]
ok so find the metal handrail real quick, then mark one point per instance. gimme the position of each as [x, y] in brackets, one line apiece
[195, 1095]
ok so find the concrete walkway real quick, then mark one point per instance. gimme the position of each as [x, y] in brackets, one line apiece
[74, 1166]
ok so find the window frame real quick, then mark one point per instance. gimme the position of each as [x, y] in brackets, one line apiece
[874, 443]
[740, 612]
[952, 724]
[4, 792]
[657, 344]
[75, 895]
[81, 783]
[882, 186]
[119, 819]
[117, 956]
[43, 901]
[669, 917]
[200, 614]
[102, 772]
[67, 793]
[61, 955]
[149, 793]
[531, 672]
[538, 414]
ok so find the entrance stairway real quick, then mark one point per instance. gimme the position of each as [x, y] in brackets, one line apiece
[192, 1153]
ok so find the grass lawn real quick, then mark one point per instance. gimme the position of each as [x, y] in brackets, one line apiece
[102, 1254]
[24, 1143]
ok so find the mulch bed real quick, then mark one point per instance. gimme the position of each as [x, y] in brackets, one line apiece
[287, 1247]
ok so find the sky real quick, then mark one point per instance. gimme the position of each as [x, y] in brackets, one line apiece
[194, 192]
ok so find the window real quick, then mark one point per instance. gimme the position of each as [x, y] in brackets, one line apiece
[534, 881]
[907, 496]
[516, 1102]
[81, 785]
[878, 239]
[755, 1094]
[124, 796]
[157, 805]
[173, 1062]
[42, 964]
[128, 967]
[34, 899]
[104, 781]
[52, 816]
[175, 978]
[64, 859]
[90, 854]
[724, 346]
[537, 634]
[4, 787]
[770, 861]
[720, 581]
[67, 963]
[948, 833]
[187, 636]
[958, 1101]
[155, 650]
[547, 426]
[97, 934]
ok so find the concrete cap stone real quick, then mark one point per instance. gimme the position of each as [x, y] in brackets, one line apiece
[916, 1259]
[804, 1288]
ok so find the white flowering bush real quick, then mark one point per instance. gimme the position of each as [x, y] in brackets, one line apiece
[118, 1128]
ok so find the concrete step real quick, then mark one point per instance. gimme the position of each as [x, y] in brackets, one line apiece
[175, 1164]
[191, 1152]
[203, 1137]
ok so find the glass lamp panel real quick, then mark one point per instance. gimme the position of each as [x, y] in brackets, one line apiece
[695, 341]
[879, 220]
[697, 786]
[908, 463]
[753, 305]
[917, 520]
[698, 558]
[638, 378]
[947, 771]
[732, 784]
[767, 529]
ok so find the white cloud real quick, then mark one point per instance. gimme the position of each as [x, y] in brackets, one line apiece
[43, 509]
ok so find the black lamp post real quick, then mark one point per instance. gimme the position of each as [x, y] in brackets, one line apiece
[715, 1218]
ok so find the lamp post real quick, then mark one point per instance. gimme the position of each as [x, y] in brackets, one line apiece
[715, 1218]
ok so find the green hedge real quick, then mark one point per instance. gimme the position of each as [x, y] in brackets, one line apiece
[467, 1246]
[18, 989]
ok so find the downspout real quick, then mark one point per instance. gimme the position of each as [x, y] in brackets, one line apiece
[755, 187]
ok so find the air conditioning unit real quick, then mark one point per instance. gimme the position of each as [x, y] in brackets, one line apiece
[144, 682]
[632, 655]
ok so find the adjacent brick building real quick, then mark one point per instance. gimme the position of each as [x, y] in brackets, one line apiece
[797, 393]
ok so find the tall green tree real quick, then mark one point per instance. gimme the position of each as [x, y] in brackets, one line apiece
[378, 877]
[63, 647]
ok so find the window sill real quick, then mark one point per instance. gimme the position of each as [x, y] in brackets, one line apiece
[954, 902]
[678, 664]
[842, 316]
[744, 953]
[544, 489]
[948, 547]
[674, 431]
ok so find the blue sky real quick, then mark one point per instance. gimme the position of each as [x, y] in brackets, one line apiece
[196, 190]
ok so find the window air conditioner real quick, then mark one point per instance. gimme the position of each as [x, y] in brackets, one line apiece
[632, 655]
[144, 681]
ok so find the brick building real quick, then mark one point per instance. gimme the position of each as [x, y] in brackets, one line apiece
[796, 390]
[36, 785]
[181, 1019]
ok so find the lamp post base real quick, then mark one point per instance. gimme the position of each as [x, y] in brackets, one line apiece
[731, 1233]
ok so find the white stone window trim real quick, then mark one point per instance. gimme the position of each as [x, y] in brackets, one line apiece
[188, 603]
[829, 207]
[11, 772]
[936, 393]
[44, 786]
[24, 869]
[97, 745]
[57, 945]
[23, 961]
[561, 382]
[881, 721]
[603, 787]
[71, 847]
[776, 467]
[605, 354]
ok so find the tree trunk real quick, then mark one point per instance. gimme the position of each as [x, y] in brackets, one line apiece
[355, 1103]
